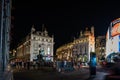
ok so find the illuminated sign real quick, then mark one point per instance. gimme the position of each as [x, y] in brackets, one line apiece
[116, 21]
[116, 29]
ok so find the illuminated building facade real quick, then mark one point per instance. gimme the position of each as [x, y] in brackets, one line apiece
[100, 48]
[36, 43]
[80, 48]
[84, 45]
[65, 52]
[113, 39]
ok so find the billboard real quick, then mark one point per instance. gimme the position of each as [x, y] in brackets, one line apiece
[115, 29]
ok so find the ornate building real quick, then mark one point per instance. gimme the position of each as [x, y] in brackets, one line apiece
[80, 48]
[36, 43]
[100, 48]
[65, 52]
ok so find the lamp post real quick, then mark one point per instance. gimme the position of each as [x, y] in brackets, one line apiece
[39, 50]
[39, 54]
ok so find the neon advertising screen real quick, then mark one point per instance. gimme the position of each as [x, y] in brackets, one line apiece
[115, 29]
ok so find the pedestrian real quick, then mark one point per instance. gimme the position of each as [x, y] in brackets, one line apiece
[24, 64]
[34, 64]
[28, 65]
[62, 66]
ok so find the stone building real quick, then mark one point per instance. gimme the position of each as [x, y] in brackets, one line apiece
[65, 52]
[100, 48]
[80, 48]
[35, 43]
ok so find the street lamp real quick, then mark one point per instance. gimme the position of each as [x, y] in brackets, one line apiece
[39, 50]
[39, 53]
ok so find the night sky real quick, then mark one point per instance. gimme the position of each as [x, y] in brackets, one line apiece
[64, 20]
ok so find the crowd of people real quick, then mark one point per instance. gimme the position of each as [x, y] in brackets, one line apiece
[60, 65]
[64, 65]
[28, 65]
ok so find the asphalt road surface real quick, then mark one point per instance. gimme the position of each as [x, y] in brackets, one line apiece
[49, 74]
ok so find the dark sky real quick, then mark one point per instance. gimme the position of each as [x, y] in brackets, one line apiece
[64, 20]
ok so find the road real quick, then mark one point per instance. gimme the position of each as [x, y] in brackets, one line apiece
[48, 74]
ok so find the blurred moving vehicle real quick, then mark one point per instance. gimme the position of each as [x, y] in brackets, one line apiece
[114, 70]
